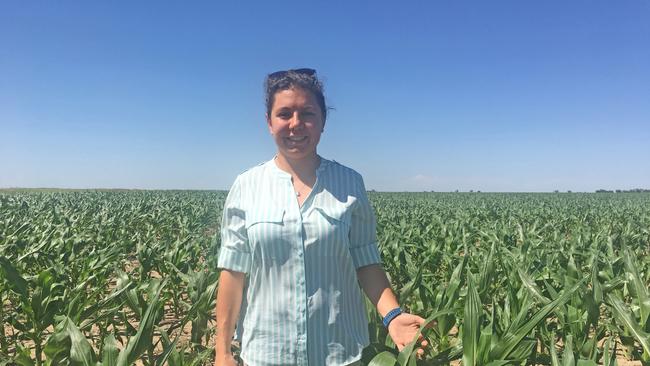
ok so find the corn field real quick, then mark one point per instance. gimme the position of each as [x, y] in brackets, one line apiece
[128, 277]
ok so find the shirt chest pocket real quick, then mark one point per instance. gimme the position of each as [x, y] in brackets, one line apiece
[273, 215]
[267, 236]
[333, 221]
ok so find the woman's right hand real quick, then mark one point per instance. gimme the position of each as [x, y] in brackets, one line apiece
[225, 360]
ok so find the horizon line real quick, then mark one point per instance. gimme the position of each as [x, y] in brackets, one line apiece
[7, 189]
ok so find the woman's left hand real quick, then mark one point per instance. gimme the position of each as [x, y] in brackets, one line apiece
[403, 328]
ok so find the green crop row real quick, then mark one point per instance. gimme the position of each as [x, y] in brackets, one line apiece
[128, 277]
[107, 278]
[519, 278]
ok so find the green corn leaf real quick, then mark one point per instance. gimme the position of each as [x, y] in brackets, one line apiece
[589, 348]
[484, 344]
[451, 292]
[583, 362]
[23, 357]
[405, 356]
[567, 356]
[388, 342]
[16, 282]
[638, 288]
[532, 287]
[498, 363]
[58, 345]
[408, 289]
[110, 351]
[447, 355]
[34, 250]
[384, 358]
[522, 316]
[522, 350]
[555, 361]
[615, 284]
[510, 340]
[130, 295]
[597, 289]
[142, 340]
[471, 326]
[626, 318]
[81, 353]
[487, 270]
[169, 349]
[572, 269]
[609, 352]
[93, 309]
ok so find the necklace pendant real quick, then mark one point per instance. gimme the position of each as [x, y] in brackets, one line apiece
[297, 194]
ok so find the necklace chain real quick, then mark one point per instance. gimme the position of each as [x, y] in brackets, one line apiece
[298, 191]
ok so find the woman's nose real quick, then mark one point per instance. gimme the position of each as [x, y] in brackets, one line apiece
[295, 121]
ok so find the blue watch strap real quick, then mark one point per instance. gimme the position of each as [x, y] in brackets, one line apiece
[391, 315]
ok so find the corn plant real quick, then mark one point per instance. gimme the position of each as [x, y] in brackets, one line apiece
[123, 277]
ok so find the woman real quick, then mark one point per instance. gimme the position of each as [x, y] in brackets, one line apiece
[298, 237]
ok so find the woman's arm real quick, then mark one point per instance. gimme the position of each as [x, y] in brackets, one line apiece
[375, 284]
[229, 298]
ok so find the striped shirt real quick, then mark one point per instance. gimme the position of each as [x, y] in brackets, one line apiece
[302, 303]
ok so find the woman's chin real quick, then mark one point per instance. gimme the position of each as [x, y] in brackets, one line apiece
[297, 153]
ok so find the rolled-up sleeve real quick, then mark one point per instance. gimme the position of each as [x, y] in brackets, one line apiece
[363, 230]
[234, 253]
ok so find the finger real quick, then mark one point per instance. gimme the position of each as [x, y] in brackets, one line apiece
[420, 353]
[424, 343]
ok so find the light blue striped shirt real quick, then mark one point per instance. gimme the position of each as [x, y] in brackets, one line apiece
[302, 303]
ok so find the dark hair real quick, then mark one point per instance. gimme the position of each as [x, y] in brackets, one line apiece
[295, 78]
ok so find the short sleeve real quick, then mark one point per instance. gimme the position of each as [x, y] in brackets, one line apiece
[234, 254]
[363, 230]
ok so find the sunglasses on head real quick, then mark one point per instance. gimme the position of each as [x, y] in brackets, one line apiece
[279, 74]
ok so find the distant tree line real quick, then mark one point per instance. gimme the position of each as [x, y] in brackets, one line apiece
[635, 190]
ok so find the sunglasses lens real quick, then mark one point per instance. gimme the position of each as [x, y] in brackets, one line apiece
[277, 74]
[309, 72]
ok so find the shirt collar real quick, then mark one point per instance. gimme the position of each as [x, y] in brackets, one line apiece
[324, 163]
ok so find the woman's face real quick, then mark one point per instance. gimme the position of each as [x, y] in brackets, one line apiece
[296, 122]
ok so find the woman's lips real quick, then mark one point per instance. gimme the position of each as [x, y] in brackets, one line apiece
[296, 138]
[294, 141]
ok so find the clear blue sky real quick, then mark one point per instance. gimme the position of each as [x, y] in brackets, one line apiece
[429, 95]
